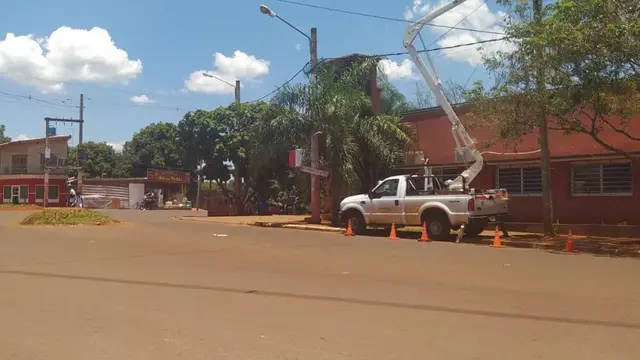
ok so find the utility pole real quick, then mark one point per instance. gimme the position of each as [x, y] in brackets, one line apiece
[47, 151]
[315, 151]
[80, 138]
[545, 155]
[238, 178]
[47, 155]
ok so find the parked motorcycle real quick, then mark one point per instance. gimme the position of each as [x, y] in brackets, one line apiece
[150, 201]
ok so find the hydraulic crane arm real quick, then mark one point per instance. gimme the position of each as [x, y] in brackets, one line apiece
[460, 135]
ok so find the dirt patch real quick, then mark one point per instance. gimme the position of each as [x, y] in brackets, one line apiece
[68, 217]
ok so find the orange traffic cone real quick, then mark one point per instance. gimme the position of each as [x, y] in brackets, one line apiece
[393, 235]
[569, 246]
[497, 243]
[425, 236]
[349, 231]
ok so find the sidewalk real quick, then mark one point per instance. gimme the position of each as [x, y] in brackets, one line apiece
[618, 247]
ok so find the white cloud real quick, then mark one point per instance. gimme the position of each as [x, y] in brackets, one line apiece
[481, 18]
[298, 47]
[416, 9]
[142, 99]
[64, 56]
[20, 137]
[240, 66]
[397, 70]
[117, 146]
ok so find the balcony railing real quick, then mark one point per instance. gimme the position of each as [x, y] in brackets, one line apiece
[25, 170]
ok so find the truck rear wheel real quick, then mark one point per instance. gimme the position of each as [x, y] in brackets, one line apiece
[358, 224]
[438, 226]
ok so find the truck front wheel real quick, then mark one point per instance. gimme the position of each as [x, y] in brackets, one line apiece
[438, 226]
[358, 224]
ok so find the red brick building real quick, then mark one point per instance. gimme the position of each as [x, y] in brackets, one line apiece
[22, 171]
[589, 184]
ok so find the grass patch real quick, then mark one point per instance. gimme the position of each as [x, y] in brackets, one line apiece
[68, 217]
[19, 207]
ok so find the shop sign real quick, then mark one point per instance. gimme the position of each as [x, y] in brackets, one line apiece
[170, 176]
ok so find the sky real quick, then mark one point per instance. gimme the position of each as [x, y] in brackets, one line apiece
[140, 62]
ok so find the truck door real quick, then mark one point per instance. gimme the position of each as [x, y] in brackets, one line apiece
[386, 205]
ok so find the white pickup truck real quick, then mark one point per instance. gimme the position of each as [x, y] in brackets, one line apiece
[408, 200]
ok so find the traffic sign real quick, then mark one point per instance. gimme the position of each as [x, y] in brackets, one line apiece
[313, 171]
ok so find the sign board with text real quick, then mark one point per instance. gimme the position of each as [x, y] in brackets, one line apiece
[313, 171]
[168, 176]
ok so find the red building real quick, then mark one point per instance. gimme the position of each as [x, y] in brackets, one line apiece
[589, 184]
[22, 171]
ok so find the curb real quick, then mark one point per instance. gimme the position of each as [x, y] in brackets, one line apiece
[555, 247]
[297, 227]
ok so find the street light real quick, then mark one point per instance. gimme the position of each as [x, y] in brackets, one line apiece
[315, 153]
[238, 180]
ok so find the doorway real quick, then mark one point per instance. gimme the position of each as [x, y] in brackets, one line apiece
[15, 195]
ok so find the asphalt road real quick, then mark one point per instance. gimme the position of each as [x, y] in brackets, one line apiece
[160, 288]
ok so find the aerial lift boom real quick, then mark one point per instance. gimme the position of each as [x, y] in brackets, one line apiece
[464, 142]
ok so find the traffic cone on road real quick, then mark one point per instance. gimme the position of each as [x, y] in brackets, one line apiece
[569, 246]
[497, 243]
[424, 237]
[349, 231]
[393, 235]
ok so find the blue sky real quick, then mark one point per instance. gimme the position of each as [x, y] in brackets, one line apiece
[174, 40]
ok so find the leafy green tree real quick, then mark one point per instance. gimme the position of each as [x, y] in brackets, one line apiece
[3, 138]
[576, 66]
[197, 137]
[337, 107]
[392, 101]
[156, 145]
[589, 64]
[102, 160]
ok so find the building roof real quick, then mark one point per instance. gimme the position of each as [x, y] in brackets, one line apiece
[37, 140]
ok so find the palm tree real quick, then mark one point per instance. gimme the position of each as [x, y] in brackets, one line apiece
[338, 107]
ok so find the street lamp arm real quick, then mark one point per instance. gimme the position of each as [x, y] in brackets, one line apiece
[293, 27]
[217, 78]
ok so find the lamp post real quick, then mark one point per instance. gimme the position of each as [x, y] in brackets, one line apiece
[238, 180]
[315, 156]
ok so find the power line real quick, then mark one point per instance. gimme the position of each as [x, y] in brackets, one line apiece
[458, 23]
[385, 17]
[96, 87]
[282, 85]
[434, 49]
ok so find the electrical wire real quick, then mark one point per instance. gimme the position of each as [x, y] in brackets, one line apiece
[458, 23]
[384, 17]
[281, 86]
[432, 49]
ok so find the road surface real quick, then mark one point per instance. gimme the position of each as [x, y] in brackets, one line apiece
[160, 288]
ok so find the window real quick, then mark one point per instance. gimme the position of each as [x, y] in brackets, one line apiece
[444, 174]
[6, 193]
[54, 192]
[52, 161]
[601, 179]
[388, 188]
[19, 163]
[520, 181]
[24, 193]
[39, 193]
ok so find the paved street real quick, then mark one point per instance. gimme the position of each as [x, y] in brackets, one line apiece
[160, 288]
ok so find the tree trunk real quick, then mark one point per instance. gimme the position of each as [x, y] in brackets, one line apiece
[545, 155]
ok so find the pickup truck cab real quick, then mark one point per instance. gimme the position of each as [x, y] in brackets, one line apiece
[408, 200]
